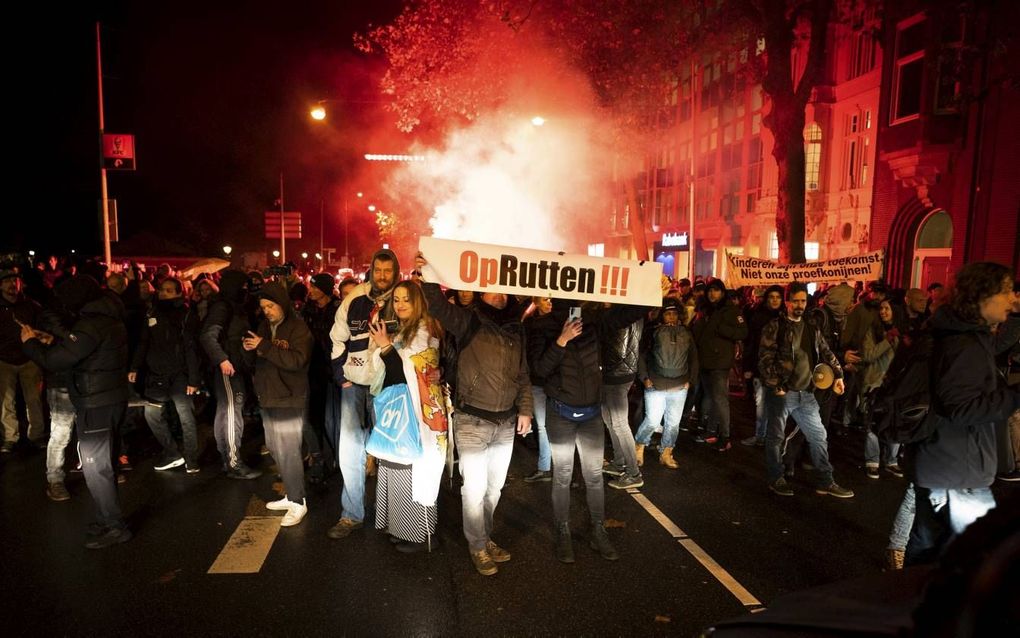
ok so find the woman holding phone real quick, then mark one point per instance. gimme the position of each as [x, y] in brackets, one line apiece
[405, 495]
[566, 354]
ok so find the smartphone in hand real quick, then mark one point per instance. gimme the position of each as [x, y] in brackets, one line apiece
[574, 313]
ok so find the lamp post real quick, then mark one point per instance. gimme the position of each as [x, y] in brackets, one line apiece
[227, 250]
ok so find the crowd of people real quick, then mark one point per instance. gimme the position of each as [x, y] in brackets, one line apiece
[394, 378]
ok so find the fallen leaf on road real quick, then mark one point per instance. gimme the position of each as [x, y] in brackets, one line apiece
[611, 523]
[278, 488]
[169, 576]
[663, 619]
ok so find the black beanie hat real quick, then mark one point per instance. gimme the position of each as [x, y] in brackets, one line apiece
[324, 282]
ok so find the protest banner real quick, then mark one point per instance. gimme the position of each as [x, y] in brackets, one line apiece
[754, 271]
[521, 271]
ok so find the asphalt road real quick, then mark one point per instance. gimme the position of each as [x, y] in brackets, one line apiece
[309, 585]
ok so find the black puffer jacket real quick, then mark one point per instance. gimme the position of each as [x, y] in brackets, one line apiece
[573, 373]
[227, 324]
[95, 351]
[757, 318]
[970, 402]
[281, 370]
[534, 325]
[620, 353]
[717, 329]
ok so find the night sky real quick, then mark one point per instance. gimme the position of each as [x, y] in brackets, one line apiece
[217, 96]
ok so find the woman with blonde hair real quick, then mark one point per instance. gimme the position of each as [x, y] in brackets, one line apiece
[406, 493]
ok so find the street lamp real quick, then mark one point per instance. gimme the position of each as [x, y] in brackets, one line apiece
[304, 255]
[318, 112]
[538, 120]
[276, 253]
[227, 250]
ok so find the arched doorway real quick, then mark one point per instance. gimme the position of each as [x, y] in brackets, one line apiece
[933, 250]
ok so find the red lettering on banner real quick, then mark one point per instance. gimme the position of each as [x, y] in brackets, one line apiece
[616, 278]
[468, 266]
[487, 277]
[624, 274]
[605, 278]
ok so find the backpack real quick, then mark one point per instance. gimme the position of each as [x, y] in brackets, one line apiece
[670, 354]
[901, 408]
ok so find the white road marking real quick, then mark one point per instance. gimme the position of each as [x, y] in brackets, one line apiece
[695, 550]
[247, 548]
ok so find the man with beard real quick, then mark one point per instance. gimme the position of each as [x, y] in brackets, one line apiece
[790, 349]
[95, 353]
[757, 318]
[352, 347]
[493, 400]
[15, 367]
[323, 420]
[225, 326]
[168, 352]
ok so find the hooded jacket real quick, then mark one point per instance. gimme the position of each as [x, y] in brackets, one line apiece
[492, 368]
[776, 356]
[281, 367]
[717, 329]
[969, 401]
[620, 353]
[757, 318]
[352, 343]
[227, 324]
[95, 352]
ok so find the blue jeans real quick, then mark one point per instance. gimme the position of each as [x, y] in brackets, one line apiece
[355, 406]
[904, 520]
[872, 450]
[941, 516]
[485, 449]
[658, 403]
[544, 451]
[803, 407]
[761, 419]
[61, 424]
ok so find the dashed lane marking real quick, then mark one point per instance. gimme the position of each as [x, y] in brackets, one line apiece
[249, 545]
[699, 554]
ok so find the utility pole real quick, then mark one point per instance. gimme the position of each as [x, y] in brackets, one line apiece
[107, 254]
[283, 226]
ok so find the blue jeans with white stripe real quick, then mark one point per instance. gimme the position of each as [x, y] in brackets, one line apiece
[659, 404]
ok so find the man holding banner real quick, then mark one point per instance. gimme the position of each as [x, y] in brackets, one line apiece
[493, 401]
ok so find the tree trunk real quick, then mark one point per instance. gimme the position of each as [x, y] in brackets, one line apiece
[637, 222]
[788, 129]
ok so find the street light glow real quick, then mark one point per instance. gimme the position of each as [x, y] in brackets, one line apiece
[393, 157]
[371, 208]
[318, 255]
[227, 250]
[304, 255]
[538, 120]
[360, 194]
[318, 113]
[276, 253]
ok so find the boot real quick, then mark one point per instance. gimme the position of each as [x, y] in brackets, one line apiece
[894, 558]
[600, 541]
[666, 458]
[370, 465]
[639, 450]
[564, 545]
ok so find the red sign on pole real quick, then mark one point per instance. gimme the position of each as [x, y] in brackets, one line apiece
[118, 152]
[290, 225]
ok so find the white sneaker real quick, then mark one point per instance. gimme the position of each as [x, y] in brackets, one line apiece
[281, 505]
[294, 514]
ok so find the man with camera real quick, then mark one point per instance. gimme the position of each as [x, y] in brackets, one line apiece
[368, 303]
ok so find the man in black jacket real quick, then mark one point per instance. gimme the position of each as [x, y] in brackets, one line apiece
[322, 424]
[95, 353]
[757, 317]
[168, 352]
[717, 329]
[16, 368]
[620, 352]
[225, 326]
[789, 351]
[954, 467]
[493, 400]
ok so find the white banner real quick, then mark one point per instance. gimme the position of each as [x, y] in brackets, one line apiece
[465, 265]
[753, 271]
